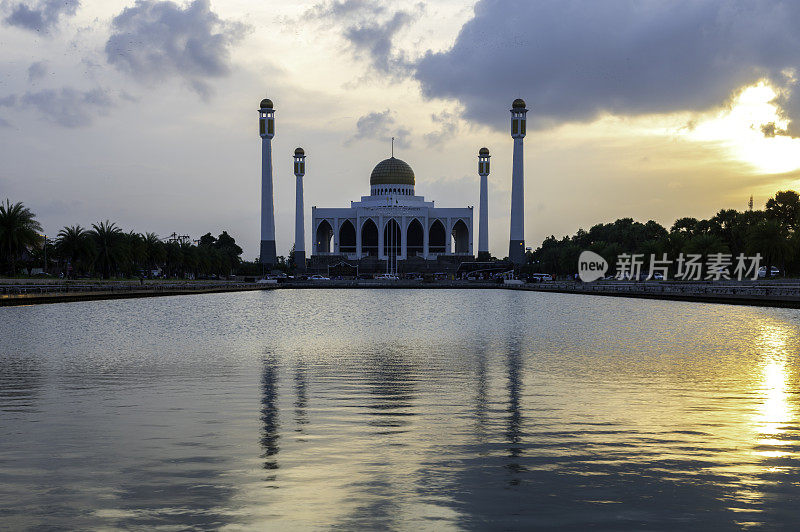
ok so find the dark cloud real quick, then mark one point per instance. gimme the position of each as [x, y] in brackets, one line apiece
[69, 107]
[41, 15]
[155, 41]
[370, 31]
[573, 60]
[8, 101]
[771, 130]
[381, 126]
[4, 122]
[37, 71]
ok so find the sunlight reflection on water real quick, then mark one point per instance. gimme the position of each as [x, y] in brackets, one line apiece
[398, 409]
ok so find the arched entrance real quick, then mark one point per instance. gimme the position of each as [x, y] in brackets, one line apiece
[324, 235]
[369, 238]
[460, 237]
[347, 238]
[392, 237]
[436, 237]
[415, 238]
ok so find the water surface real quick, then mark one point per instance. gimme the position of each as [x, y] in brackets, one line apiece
[398, 409]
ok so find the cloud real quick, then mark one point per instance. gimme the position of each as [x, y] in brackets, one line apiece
[69, 107]
[448, 128]
[573, 60]
[155, 41]
[4, 122]
[36, 71]
[368, 31]
[380, 126]
[41, 15]
[771, 130]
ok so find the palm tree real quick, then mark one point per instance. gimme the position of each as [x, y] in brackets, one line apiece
[74, 244]
[154, 250]
[770, 239]
[19, 230]
[109, 245]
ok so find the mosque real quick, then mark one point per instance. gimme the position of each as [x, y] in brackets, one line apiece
[392, 229]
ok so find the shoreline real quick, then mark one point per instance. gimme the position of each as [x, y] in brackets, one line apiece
[774, 294]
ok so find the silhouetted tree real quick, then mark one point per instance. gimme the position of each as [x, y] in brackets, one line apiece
[19, 232]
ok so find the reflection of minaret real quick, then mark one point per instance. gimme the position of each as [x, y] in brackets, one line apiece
[301, 398]
[516, 245]
[483, 221]
[481, 395]
[514, 430]
[299, 224]
[266, 124]
[269, 414]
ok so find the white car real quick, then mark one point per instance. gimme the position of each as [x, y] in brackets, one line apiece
[387, 277]
[319, 278]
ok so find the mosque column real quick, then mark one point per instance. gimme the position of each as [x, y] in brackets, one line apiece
[448, 237]
[425, 234]
[336, 235]
[358, 237]
[380, 238]
[403, 239]
[471, 234]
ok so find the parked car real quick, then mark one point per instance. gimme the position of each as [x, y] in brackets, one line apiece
[387, 277]
[762, 272]
[318, 277]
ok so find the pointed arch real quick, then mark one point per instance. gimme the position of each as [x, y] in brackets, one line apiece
[460, 237]
[392, 238]
[323, 237]
[347, 237]
[415, 238]
[369, 238]
[436, 237]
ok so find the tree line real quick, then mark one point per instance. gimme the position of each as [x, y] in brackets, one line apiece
[773, 232]
[107, 251]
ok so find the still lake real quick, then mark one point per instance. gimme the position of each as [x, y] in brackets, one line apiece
[399, 409]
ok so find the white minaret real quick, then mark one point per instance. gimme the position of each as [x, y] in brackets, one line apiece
[299, 224]
[516, 245]
[483, 220]
[266, 124]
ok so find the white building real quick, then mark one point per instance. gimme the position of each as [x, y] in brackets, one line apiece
[392, 223]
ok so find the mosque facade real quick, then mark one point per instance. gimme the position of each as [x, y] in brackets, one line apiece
[393, 223]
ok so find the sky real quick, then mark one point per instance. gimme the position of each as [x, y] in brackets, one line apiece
[144, 112]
